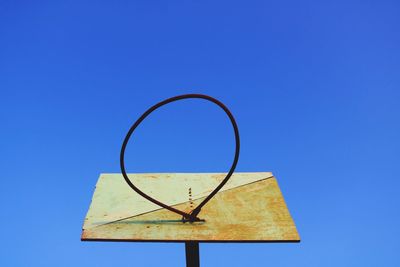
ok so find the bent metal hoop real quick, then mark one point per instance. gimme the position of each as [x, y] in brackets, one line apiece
[191, 216]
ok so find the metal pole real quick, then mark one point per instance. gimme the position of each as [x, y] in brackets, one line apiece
[192, 254]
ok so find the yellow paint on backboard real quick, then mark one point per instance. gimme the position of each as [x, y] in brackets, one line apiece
[249, 208]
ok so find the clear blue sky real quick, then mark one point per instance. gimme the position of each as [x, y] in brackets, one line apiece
[314, 85]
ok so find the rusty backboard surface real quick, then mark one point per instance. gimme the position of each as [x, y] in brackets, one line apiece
[249, 208]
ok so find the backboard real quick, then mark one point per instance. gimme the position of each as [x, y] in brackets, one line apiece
[249, 208]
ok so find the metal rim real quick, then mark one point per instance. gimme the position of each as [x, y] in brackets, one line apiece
[192, 216]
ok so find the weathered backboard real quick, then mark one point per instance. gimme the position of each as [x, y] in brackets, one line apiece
[249, 208]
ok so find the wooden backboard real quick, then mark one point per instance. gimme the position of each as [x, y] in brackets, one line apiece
[249, 208]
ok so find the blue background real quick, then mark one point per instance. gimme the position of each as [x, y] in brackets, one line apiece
[314, 86]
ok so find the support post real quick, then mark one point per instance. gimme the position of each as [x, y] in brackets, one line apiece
[192, 254]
